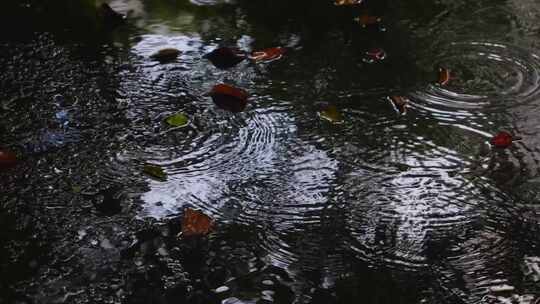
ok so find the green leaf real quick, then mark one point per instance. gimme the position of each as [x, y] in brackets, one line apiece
[331, 114]
[177, 120]
[155, 172]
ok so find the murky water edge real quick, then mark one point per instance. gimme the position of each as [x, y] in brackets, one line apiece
[386, 208]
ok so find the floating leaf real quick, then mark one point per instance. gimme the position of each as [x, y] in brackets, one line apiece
[8, 159]
[269, 54]
[503, 140]
[195, 223]
[331, 114]
[155, 171]
[365, 20]
[374, 55]
[444, 76]
[177, 120]
[399, 103]
[225, 57]
[347, 2]
[229, 98]
[165, 55]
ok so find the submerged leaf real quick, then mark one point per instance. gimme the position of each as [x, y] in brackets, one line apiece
[229, 98]
[399, 103]
[8, 159]
[365, 20]
[331, 114]
[503, 140]
[155, 171]
[269, 54]
[165, 55]
[177, 120]
[196, 223]
[225, 57]
[444, 76]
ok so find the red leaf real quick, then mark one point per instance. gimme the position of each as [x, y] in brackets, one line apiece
[444, 76]
[196, 223]
[229, 98]
[8, 159]
[374, 55]
[270, 54]
[502, 140]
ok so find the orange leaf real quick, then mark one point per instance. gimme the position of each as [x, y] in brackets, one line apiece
[270, 54]
[444, 76]
[229, 98]
[196, 223]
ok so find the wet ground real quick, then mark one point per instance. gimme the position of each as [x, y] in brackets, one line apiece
[381, 208]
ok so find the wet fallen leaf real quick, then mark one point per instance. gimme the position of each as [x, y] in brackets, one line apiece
[503, 140]
[400, 103]
[374, 55]
[269, 54]
[444, 76]
[177, 120]
[225, 57]
[8, 159]
[347, 2]
[229, 98]
[165, 55]
[331, 114]
[365, 20]
[195, 223]
[155, 171]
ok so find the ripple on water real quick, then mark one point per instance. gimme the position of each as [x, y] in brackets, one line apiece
[486, 77]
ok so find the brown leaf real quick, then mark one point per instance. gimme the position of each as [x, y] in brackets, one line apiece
[225, 57]
[444, 76]
[400, 103]
[195, 223]
[165, 55]
[269, 54]
[365, 20]
[229, 98]
[8, 159]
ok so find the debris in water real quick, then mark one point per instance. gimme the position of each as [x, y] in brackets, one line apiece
[196, 223]
[347, 2]
[225, 57]
[177, 120]
[330, 113]
[155, 172]
[165, 55]
[365, 20]
[229, 98]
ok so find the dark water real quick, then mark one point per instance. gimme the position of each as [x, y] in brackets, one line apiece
[383, 208]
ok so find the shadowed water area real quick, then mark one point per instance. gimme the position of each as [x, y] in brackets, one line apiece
[379, 208]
